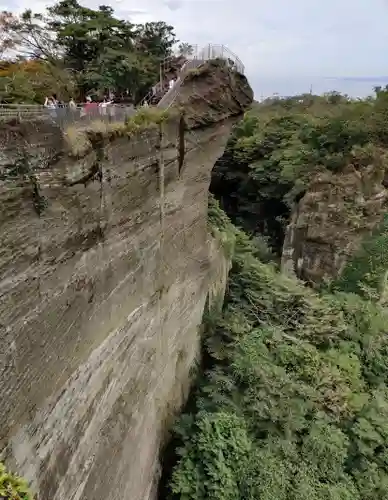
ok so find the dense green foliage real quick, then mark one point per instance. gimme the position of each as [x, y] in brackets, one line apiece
[294, 404]
[279, 146]
[366, 272]
[74, 50]
[12, 487]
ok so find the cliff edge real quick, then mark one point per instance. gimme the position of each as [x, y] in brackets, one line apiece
[106, 264]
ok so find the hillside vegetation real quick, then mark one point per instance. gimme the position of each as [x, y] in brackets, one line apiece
[294, 403]
[281, 144]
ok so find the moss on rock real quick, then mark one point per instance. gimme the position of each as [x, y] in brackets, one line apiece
[13, 487]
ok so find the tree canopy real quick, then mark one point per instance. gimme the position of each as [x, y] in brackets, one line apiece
[294, 404]
[79, 50]
[282, 143]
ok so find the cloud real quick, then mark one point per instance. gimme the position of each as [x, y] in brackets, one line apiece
[283, 45]
[173, 4]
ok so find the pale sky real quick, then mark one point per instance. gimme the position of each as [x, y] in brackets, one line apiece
[328, 44]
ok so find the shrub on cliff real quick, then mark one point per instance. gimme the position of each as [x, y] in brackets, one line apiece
[82, 141]
[366, 272]
[294, 405]
[229, 236]
[12, 487]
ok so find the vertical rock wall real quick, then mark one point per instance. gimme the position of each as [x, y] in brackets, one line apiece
[329, 223]
[102, 290]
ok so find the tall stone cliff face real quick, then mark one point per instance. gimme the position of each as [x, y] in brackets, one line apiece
[329, 223]
[105, 267]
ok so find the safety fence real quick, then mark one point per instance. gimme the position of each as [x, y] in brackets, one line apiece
[193, 58]
[65, 115]
[208, 52]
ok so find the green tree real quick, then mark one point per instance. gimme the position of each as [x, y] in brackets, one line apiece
[156, 39]
[211, 467]
[185, 49]
[299, 378]
[29, 35]
[30, 81]
[98, 50]
[282, 144]
[367, 271]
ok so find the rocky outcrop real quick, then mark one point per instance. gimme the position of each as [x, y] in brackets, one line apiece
[105, 267]
[328, 224]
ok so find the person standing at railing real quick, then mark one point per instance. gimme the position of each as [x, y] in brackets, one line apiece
[49, 103]
[73, 111]
[90, 107]
[85, 106]
[72, 105]
[55, 100]
[103, 106]
[231, 64]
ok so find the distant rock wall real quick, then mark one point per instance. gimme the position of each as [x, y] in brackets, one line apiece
[329, 223]
[105, 267]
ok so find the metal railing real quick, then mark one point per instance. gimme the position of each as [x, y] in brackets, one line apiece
[210, 51]
[64, 115]
[214, 51]
[195, 58]
[171, 94]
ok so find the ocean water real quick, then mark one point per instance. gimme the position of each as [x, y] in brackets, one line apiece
[288, 86]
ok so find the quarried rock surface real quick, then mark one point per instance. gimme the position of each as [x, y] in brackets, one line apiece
[105, 268]
[328, 224]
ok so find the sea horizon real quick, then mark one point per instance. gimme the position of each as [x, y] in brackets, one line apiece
[354, 86]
